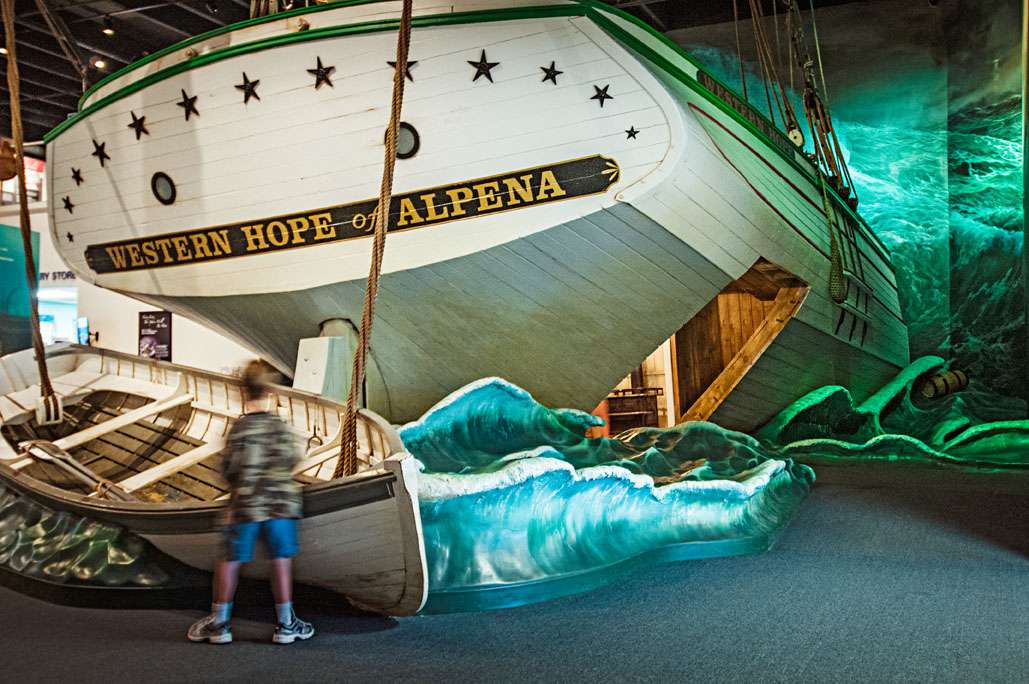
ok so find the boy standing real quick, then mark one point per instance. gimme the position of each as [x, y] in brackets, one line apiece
[265, 502]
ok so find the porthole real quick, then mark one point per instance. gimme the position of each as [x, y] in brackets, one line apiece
[163, 187]
[408, 141]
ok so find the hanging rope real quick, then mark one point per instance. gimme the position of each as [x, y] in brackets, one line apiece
[14, 89]
[347, 464]
[739, 49]
[818, 51]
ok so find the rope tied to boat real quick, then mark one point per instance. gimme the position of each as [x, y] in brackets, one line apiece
[347, 463]
[17, 134]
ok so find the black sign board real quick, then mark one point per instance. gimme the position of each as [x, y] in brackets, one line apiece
[408, 211]
[155, 335]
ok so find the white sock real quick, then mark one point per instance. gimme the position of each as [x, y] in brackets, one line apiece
[284, 611]
[221, 612]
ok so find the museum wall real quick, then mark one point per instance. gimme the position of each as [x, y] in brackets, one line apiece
[114, 316]
[926, 99]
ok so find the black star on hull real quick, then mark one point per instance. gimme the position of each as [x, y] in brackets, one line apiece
[138, 125]
[550, 73]
[483, 68]
[631, 133]
[407, 69]
[68, 206]
[188, 104]
[71, 238]
[601, 94]
[76, 175]
[99, 152]
[322, 75]
[249, 88]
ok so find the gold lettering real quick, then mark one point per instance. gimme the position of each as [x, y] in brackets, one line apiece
[408, 214]
[117, 255]
[134, 256]
[323, 228]
[283, 233]
[299, 226]
[549, 184]
[430, 208]
[524, 189]
[181, 248]
[164, 244]
[255, 237]
[150, 252]
[200, 247]
[458, 204]
[487, 193]
[220, 240]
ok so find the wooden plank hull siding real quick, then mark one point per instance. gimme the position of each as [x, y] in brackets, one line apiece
[562, 297]
[361, 534]
[564, 313]
[800, 359]
[352, 552]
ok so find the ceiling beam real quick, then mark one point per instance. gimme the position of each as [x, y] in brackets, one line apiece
[84, 44]
[202, 13]
[49, 70]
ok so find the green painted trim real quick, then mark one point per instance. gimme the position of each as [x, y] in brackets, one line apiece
[478, 16]
[228, 28]
[593, 9]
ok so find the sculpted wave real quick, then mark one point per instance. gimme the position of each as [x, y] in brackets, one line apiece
[514, 492]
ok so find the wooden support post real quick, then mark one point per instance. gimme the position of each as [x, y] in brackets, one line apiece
[785, 307]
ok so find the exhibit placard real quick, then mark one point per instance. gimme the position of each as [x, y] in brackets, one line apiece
[155, 335]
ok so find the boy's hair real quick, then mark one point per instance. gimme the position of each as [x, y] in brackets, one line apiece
[256, 379]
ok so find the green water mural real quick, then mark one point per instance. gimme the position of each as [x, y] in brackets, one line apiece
[15, 332]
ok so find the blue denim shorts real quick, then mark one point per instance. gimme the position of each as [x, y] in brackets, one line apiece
[279, 535]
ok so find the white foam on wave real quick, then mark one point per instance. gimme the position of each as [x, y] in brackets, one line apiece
[528, 465]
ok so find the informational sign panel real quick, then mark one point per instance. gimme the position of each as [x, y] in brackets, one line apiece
[155, 335]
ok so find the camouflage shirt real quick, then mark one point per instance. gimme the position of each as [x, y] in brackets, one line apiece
[258, 463]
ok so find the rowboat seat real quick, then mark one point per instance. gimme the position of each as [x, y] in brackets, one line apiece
[72, 387]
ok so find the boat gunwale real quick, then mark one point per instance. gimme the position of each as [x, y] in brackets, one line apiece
[396, 446]
[591, 9]
[142, 517]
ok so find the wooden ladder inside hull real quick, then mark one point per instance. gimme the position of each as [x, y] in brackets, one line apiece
[723, 342]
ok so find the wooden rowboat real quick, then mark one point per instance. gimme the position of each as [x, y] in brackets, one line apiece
[140, 445]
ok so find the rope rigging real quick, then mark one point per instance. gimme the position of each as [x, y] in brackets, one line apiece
[828, 153]
[49, 409]
[347, 463]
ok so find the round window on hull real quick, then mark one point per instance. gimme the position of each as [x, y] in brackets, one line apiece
[163, 187]
[408, 140]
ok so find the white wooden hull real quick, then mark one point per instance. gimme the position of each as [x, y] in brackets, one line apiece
[561, 297]
[359, 552]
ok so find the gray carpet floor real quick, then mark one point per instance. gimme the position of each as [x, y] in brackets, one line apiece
[876, 581]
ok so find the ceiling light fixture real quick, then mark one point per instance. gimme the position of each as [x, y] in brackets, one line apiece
[97, 63]
[212, 7]
[108, 27]
[3, 51]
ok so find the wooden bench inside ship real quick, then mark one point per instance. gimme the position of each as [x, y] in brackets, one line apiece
[164, 444]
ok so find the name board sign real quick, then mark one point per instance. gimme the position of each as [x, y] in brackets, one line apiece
[417, 209]
[747, 112]
[155, 335]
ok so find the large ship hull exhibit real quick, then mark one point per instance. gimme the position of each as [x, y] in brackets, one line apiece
[572, 190]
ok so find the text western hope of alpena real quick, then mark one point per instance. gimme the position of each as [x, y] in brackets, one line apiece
[421, 208]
